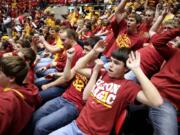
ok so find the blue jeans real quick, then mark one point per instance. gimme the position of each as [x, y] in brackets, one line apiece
[70, 129]
[54, 114]
[42, 63]
[164, 119]
[51, 93]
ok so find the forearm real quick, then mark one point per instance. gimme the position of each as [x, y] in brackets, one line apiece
[102, 33]
[119, 11]
[156, 25]
[82, 62]
[57, 82]
[163, 38]
[121, 6]
[90, 85]
[146, 4]
[50, 47]
[67, 70]
[149, 90]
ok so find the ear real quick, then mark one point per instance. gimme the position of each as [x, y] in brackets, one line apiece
[12, 79]
[126, 69]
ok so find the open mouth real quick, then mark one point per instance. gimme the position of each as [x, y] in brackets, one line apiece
[110, 70]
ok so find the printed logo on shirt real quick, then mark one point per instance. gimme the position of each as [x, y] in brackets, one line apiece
[123, 41]
[105, 93]
[80, 82]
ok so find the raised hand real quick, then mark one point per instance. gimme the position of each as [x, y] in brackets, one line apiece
[100, 46]
[70, 53]
[165, 11]
[159, 6]
[133, 61]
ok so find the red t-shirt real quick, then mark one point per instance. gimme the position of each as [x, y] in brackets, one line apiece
[123, 39]
[151, 60]
[16, 111]
[109, 40]
[167, 80]
[144, 27]
[78, 54]
[107, 100]
[144, 31]
[61, 59]
[75, 91]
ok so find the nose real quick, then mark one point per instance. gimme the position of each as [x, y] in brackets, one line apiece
[110, 64]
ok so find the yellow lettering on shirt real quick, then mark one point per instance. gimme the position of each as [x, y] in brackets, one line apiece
[80, 82]
[123, 41]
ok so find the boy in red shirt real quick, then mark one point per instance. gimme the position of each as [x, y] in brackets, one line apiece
[16, 99]
[111, 94]
[60, 111]
[125, 32]
[167, 82]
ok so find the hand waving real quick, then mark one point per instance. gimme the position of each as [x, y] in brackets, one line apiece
[133, 61]
[100, 46]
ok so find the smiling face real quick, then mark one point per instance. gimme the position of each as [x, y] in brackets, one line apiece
[116, 68]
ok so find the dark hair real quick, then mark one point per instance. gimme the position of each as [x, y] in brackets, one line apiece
[121, 54]
[25, 43]
[136, 16]
[71, 34]
[14, 66]
[91, 41]
[29, 54]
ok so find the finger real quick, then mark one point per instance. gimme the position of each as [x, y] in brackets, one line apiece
[132, 55]
[128, 62]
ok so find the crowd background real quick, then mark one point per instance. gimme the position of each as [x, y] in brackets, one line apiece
[36, 47]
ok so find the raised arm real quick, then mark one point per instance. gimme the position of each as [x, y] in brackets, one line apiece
[120, 10]
[68, 72]
[155, 26]
[98, 48]
[93, 79]
[160, 41]
[149, 94]
[52, 49]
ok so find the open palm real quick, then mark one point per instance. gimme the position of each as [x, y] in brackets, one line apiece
[133, 61]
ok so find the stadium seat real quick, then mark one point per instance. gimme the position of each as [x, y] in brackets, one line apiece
[120, 121]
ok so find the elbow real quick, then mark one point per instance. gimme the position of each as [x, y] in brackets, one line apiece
[67, 78]
[84, 98]
[158, 103]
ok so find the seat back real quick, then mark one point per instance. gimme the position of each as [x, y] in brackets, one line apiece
[120, 121]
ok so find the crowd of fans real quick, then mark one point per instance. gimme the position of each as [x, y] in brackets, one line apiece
[76, 75]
